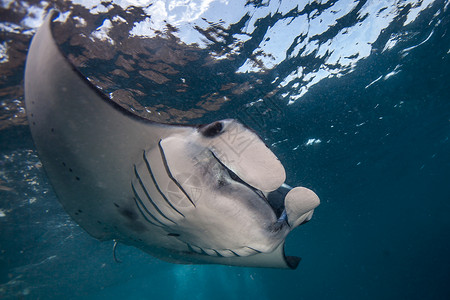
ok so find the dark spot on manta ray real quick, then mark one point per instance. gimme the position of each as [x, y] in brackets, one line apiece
[52, 130]
[276, 227]
[70, 170]
[80, 211]
[129, 214]
[221, 183]
[64, 164]
[117, 205]
[211, 130]
[77, 178]
[99, 222]
[173, 234]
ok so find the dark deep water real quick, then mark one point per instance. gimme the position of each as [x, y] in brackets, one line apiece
[371, 138]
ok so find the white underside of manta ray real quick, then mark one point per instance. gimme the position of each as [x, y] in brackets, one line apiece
[185, 194]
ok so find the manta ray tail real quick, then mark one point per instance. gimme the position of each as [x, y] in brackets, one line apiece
[114, 252]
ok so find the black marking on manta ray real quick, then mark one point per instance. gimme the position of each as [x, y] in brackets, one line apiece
[211, 130]
[163, 156]
[129, 214]
[147, 163]
[233, 252]
[190, 248]
[145, 217]
[257, 251]
[214, 250]
[202, 252]
[199, 252]
[142, 207]
[139, 203]
[149, 198]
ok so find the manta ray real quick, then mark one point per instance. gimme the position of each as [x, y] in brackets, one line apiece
[189, 194]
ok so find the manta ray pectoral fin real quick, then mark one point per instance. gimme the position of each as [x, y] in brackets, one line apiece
[243, 152]
[300, 203]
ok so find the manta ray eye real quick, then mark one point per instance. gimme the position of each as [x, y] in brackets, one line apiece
[211, 130]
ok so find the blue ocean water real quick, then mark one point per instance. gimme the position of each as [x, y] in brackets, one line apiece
[354, 100]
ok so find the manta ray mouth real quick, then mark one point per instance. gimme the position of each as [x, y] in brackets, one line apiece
[258, 192]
